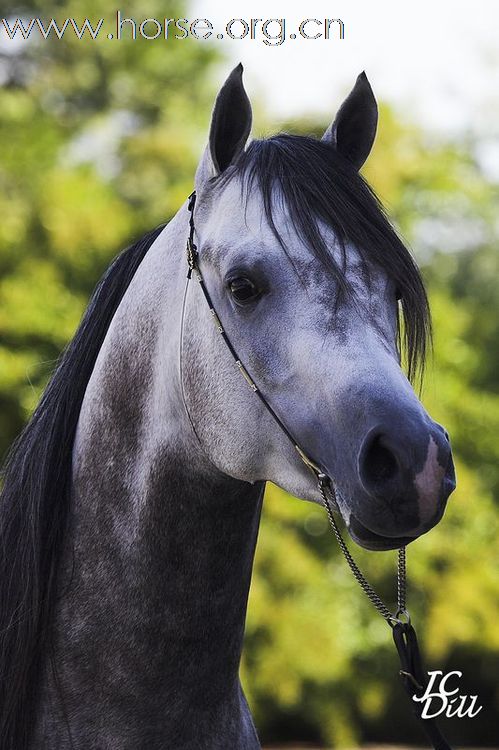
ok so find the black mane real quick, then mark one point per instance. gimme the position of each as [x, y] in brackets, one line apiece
[34, 506]
[316, 182]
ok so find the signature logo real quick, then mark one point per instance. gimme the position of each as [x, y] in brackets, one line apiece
[439, 700]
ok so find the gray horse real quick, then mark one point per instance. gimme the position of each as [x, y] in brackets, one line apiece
[132, 500]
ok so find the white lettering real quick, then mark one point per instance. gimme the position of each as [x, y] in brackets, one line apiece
[453, 707]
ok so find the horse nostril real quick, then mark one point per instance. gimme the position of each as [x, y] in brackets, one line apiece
[378, 464]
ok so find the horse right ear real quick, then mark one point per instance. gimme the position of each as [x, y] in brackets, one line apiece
[230, 128]
[354, 129]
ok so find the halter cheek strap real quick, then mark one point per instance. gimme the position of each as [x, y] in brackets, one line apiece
[412, 672]
[193, 263]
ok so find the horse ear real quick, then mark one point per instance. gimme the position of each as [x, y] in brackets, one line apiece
[230, 127]
[354, 128]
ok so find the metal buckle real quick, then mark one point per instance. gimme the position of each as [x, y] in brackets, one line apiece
[309, 463]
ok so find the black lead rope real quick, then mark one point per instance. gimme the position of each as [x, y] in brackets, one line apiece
[415, 680]
[412, 672]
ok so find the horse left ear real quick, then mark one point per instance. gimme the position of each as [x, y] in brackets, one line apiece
[230, 127]
[354, 128]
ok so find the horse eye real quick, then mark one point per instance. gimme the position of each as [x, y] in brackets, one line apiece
[243, 290]
[398, 294]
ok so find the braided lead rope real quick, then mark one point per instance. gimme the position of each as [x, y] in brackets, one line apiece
[366, 587]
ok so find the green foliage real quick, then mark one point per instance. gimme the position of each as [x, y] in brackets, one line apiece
[99, 143]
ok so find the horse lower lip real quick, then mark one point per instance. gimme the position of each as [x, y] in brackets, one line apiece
[369, 539]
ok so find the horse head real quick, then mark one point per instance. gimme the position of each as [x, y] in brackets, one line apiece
[317, 293]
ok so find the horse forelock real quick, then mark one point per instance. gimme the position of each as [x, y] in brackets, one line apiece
[317, 185]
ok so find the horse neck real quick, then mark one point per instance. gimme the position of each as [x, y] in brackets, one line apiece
[161, 544]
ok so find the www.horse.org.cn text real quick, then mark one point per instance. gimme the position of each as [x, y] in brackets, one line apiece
[273, 32]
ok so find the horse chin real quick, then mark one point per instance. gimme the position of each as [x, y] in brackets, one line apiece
[368, 539]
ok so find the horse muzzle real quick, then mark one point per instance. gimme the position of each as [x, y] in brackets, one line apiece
[404, 483]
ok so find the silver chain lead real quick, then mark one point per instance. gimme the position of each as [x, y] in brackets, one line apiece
[401, 582]
[366, 587]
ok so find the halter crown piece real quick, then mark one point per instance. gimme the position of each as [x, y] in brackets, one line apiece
[414, 677]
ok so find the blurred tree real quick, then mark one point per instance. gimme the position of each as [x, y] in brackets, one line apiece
[99, 143]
